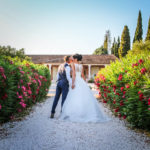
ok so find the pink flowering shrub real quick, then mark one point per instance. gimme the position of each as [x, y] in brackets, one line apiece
[125, 86]
[22, 84]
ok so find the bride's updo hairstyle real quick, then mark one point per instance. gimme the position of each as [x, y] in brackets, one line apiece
[78, 57]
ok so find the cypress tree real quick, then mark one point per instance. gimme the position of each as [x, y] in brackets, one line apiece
[125, 42]
[118, 45]
[105, 46]
[113, 46]
[139, 30]
[118, 42]
[106, 42]
[99, 51]
[148, 32]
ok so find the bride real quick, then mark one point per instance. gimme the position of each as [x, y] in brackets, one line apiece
[80, 104]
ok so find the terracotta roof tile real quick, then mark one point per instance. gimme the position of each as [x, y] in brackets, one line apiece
[87, 59]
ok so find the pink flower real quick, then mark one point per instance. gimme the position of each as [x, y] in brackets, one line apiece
[114, 87]
[22, 72]
[29, 92]
[27, 65]
[0, 106]
[105, 95]
[120, 77]
[121, 103]
[19, 96]
[136, 64]
[23, 88]
[39, 82]
[123, 96]
[24, 93]
[3, 75]
[34, 81]
[21, 81]
[116, 110]
[143, 70]
[104, 101]
[37, 91]
[135, 82]
[127, 86]
[124, 92]
[1, 69]
[41, 77]
[29, 83]
[141, 61]
[117, 94]
[122, 88]
[97, 84]
[141, 96]
[124, 117]
[19, 68]
[22, 104]
[22, 100]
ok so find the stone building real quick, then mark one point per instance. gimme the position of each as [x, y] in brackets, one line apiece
[91, 63]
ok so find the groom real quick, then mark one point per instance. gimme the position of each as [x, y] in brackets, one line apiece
[63, 82]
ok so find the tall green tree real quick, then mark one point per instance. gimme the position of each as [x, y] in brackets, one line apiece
[115, 47]
[118, 43]
[12, 52]
[106, 45]
[118, 46]
[148, 32]
[139, 30]
[105, 42]
[100, 51]
[125, 42]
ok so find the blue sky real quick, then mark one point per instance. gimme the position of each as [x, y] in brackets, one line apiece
[67, 26]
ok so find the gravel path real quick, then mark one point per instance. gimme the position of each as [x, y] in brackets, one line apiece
[38, 132]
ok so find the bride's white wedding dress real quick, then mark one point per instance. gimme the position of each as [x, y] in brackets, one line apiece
[80, 104]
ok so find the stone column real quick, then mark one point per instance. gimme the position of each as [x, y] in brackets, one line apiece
[50, 70]
[50, 66]
[89, 69]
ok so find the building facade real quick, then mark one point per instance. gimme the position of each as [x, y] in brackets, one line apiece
[91, 63]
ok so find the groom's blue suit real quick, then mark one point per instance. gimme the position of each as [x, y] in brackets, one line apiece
[61, 88]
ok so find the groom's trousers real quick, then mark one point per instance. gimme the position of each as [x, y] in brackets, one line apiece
[61, 88]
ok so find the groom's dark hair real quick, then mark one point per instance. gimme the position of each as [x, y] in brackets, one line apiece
[66, 58]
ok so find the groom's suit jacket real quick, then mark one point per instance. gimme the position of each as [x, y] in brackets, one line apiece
[65, 74]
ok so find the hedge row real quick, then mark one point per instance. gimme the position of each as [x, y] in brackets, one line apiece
[125, 86]
[22, 84]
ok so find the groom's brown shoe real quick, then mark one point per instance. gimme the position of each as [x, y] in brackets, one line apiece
[52, 115]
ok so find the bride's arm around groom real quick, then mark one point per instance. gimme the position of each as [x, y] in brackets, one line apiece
[73, 74]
